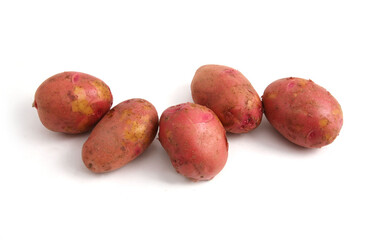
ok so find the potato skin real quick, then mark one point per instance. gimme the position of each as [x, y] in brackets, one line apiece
[121, 135]
[303, 112]
[230, 95]
[195, 140]
[72, 102]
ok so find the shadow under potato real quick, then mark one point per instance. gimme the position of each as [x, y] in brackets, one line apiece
[29, 126]
[266, 137]
[154, 163]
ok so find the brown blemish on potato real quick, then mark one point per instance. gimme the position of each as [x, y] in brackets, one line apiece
[296, 128]
[328, 137]
[82, 107]
[147, 107]
[336, 111]
[125, 114]
[79, 92]
[169, 136]
[249, 104]
[145, 119]
[271, 95]
[71, 96]
[82, 125]
[110, 114]
[323, 122]
[81, 104]
[193, 105]
[136, 131]
[103, 91]
[302, 82]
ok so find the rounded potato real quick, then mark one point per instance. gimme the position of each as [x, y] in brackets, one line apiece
[195, 140]
[230, 95]
[121, 135]
[303, 112]
[72, 102]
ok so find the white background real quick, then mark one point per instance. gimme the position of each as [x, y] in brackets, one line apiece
[269, 188]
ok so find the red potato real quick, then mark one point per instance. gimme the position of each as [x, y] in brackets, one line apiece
[230, 95]
[72, 102]
[303, 112]
[195, 140]
[122, 135]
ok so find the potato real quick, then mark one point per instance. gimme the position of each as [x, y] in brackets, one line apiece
[303, 112]
[121, 135]
[72, 102]
[195, 140]
[230, 95]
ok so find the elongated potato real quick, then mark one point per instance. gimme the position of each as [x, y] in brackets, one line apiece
[121, 135]
[72, 102]
[303, 112]
[195, 140]
[230, 95]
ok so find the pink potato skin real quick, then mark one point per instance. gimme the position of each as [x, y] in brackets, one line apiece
[72, 102]
[230, 95]
[123, 134]
[303, 112]
[195, 140]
